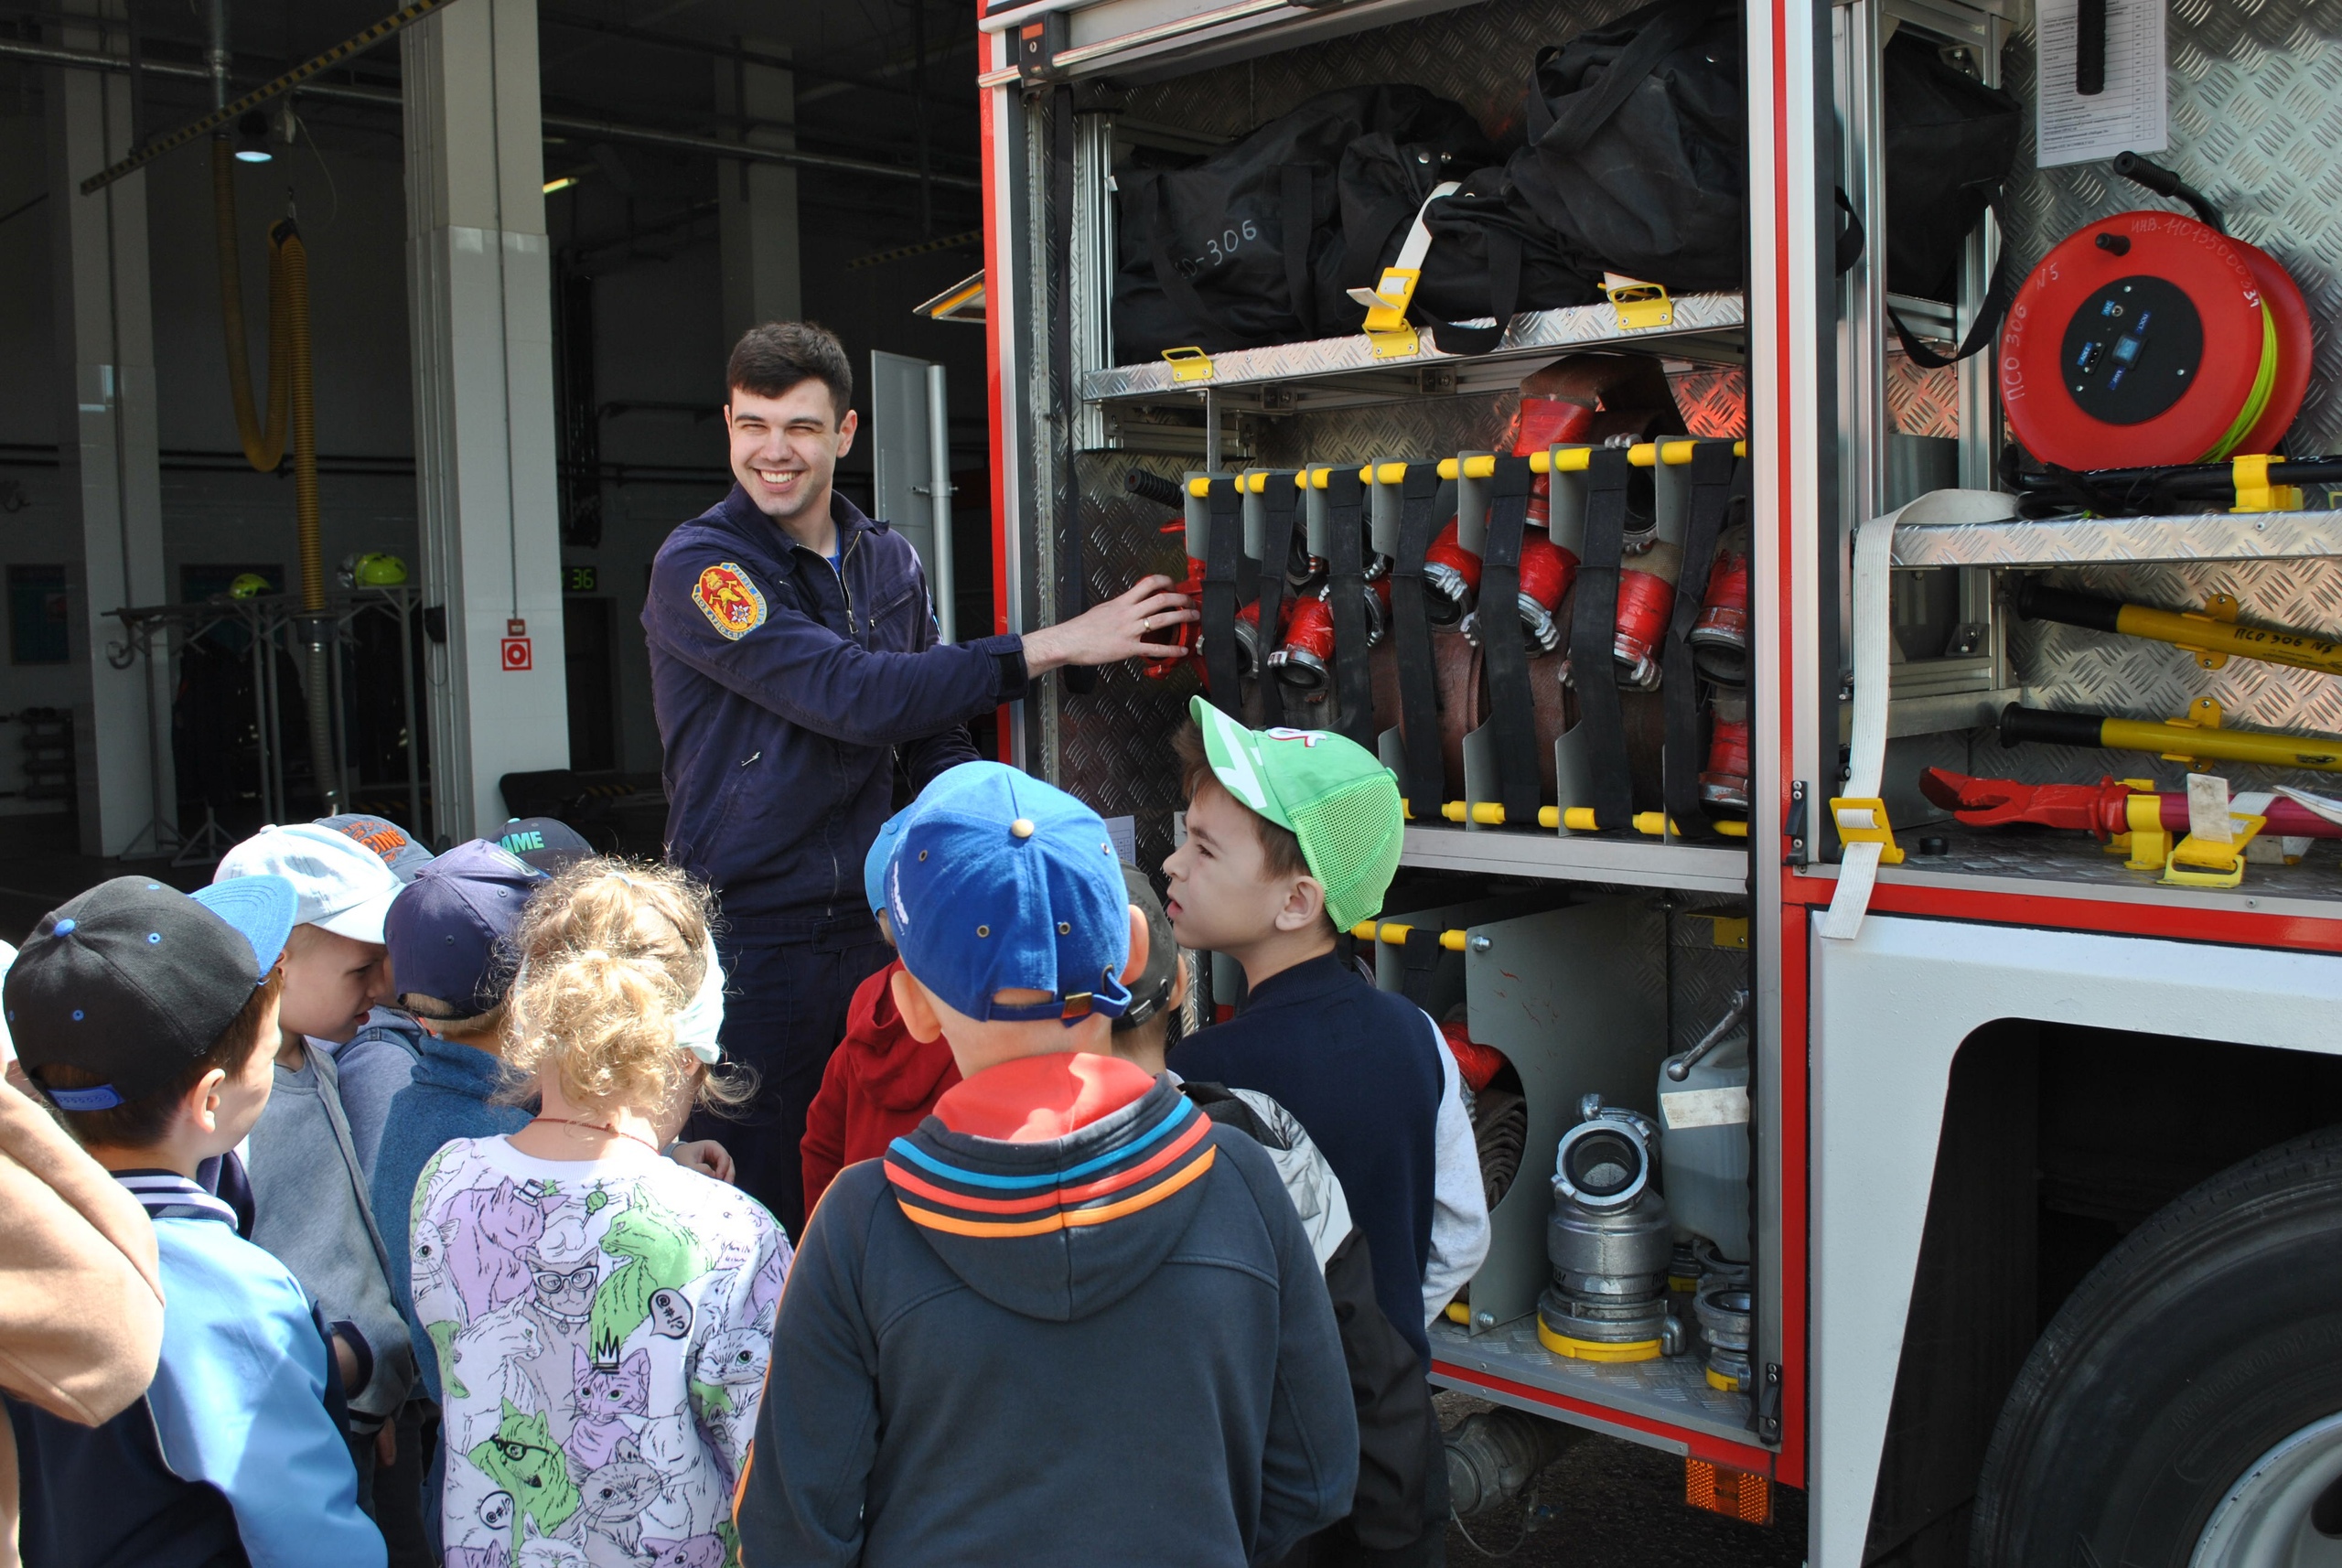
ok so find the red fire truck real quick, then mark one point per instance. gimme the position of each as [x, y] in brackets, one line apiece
[2007, 975]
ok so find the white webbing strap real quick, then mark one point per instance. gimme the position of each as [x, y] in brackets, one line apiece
[1411, 251]
[1873, 653]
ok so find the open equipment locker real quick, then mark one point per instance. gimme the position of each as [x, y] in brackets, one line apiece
[1622, 962]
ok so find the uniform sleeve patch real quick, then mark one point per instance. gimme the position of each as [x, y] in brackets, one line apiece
[734, 606]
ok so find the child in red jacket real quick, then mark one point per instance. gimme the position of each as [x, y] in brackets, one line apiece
[881, 1082]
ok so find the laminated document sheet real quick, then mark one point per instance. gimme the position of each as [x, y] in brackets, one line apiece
[2131, 115]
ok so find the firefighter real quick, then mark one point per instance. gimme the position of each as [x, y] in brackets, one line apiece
[793, 655]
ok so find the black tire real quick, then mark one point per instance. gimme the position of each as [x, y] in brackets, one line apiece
[2210, 1334]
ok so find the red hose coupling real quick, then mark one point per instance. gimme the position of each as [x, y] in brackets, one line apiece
[1720, 637]
[1186, 635]
[1546, 573]
[1307, 655]
[1543, 422]
[1724, 784]
[1644, 601]
[1452, 574]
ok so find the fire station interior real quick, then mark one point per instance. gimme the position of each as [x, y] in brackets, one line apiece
[659, 250]
[2057, 686]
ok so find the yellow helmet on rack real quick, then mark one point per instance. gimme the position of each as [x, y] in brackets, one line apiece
[372, 569]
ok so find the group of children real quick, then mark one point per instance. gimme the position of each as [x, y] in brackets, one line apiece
[442, 1286]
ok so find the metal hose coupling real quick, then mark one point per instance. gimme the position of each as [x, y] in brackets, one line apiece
[1452, 578]
[1726, 1313]
[1610, 1242]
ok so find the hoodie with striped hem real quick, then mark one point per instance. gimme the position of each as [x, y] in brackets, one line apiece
[1068, 1320]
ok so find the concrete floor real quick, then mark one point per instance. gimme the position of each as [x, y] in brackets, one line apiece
[1619, 1505]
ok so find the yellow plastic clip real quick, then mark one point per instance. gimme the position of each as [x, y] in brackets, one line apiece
[2148, 843]
[2254, 492]
[1189, 364]
[1386, 317]
[1863, 821]
[2217, 607]
[2204, 713]
[2199, 862]
[1640, 305]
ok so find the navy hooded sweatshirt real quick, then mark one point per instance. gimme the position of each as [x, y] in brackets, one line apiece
[1109, 1346]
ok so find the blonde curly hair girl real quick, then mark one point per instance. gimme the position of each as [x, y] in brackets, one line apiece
[614, 956]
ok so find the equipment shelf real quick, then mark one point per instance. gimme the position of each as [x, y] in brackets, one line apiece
[2120, 541]
[2056, 864]
[1346, 372]
[1672, 1392]
[1579, 857]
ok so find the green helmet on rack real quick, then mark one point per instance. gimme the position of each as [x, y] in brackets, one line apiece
[249, 585]
[374, 569]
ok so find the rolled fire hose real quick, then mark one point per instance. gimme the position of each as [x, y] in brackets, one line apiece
[291, 391]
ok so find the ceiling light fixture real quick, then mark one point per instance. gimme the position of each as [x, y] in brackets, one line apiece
[563, 183]
[252, 138]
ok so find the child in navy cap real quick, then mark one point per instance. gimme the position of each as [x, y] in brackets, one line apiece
[149, 1018]
[973, 1322]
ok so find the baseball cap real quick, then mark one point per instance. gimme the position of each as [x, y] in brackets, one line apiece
[1001, 882]
[1150, 988]
[133, 980]
[384, 837]
[1334, 794]
[343, 885]
[446, 930]
[548, 843]
[873, 865]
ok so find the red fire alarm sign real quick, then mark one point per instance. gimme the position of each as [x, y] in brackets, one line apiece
[516, 654]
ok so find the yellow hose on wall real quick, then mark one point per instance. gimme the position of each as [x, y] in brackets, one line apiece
[263, 449]
[289, 266]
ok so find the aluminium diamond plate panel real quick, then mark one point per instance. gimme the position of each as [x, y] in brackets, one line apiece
[1535, 334]
[1673, 1389]
[2079, 541]
[1920, 400]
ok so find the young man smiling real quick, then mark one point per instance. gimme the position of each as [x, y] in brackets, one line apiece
[793, 653]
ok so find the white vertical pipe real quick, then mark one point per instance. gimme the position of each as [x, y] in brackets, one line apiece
[938, 500]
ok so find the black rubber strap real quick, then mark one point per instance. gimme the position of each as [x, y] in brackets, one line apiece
[1280, 504]
[1504, 645]
[1989, 316]
[1712, 469]
[1424, 778]
[1073, 580]
[1297, 213]
[1421, 961]
[1223, 553]
[1504, 298]
[1346, 591]
[1593, 629]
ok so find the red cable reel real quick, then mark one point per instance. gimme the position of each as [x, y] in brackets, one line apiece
[2148, 338]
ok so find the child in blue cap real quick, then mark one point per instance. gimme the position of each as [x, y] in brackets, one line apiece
[882, 1080]
[1065, 1277]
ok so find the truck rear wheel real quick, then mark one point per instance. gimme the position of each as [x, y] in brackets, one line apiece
[2185, 1407]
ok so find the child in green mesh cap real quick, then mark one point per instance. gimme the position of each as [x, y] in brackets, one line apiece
[1291, 836]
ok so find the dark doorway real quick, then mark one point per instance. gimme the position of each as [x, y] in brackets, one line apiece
[589, 632]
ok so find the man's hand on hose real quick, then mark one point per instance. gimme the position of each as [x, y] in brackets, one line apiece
[1115, 630]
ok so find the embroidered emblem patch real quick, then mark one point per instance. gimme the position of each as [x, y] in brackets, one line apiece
[733, 604]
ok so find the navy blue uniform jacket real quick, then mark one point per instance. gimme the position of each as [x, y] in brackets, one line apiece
[781, 686]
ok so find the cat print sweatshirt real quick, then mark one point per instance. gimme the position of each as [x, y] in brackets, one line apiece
[601, 1329]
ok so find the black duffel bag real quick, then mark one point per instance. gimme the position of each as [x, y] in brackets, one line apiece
[1951, 142]
[1231, 252]
[1489, 256]
[1637, 157]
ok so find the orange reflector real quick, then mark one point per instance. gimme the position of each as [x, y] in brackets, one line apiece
[1736, 1494]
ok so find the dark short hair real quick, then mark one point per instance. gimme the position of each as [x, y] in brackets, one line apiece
[141, 1123]
[770, 359]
